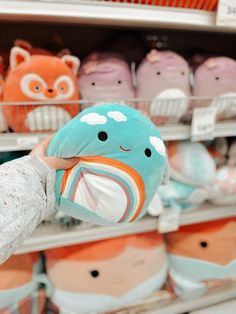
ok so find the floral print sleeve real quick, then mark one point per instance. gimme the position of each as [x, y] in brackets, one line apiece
[26, 198]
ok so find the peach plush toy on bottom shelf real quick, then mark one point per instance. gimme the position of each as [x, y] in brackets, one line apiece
[20, 280]
[202, 256]
[108, 274]
[40, 78]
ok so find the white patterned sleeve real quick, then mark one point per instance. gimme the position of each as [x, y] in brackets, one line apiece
[26, 198]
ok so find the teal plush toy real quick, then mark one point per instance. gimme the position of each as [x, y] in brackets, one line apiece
[122, 162]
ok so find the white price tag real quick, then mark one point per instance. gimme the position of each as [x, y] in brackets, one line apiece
[203, 123]
[169, 220]
[27, 142]
[226, 13]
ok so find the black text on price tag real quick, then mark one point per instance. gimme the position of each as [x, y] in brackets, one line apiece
[203, 123]
[226, 13]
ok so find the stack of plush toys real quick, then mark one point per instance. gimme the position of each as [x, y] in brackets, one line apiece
[158, 83]
[200, 172]
[108, 275]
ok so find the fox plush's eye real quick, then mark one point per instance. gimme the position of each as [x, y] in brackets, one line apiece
[203, 244]
[63, 87]
[36, 86]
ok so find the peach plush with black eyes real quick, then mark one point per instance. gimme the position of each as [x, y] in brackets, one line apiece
[40, 78]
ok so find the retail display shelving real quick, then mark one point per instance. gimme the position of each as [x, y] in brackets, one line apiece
[51, 236]
[180, 306]
[108, 13]
[26, 141]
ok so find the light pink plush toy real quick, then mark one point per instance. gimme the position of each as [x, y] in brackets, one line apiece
[216, 77]
[105, 77]
[163, 79]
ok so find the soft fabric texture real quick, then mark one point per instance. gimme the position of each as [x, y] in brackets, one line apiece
[105, 77]
[202, 256]
[225, 186]
[179, 196]
[40, 79]
[216, 77]
[108, 274]
[22, 211]
[122, 162]
[163, 81]
[191, 164]
[19, 285]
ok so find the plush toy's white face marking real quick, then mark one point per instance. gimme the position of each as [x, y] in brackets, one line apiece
[34, 86]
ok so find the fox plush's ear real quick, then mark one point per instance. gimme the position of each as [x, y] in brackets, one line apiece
[17, 56]
[23, 44]
[72, 62]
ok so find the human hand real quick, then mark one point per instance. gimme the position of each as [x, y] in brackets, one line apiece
[53, 162]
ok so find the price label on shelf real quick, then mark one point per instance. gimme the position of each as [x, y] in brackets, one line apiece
[168, 220]
[226, 13]
[203, 123]
[27, 142]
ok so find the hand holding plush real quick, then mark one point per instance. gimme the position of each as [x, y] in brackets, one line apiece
[122, 160]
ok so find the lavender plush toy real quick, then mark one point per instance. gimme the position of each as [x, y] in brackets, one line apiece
[216, 77]
[163, 77]
[105, 77]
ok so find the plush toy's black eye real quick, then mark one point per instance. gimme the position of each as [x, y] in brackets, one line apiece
[102, 136]
[36, 88]
[94, 273]
[203, 244]
[119, 82]
[158, 73]
[148, 152]
[93, 83]
[182, 72]
[217, 78]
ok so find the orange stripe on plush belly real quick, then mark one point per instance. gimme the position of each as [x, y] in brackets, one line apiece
[119, 165]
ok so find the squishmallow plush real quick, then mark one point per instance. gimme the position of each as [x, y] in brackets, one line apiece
[106, 275]
[232, 154]
[215, 78]
[122, 162]
[3, 125]
[19, 285]
[191, 164]
[225, 186]
[129, 46]
[40, 79]
[180, 196]
[163, 79]
[202, 256]
[105, 77]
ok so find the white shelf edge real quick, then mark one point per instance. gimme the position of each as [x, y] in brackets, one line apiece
[51, 236]
[108, 13]
[182, 306]
[13, 141]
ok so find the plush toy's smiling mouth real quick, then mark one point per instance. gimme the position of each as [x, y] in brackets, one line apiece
[125, 149]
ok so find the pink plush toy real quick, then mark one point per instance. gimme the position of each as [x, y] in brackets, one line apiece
[216, 77]
[163, 78]
[105, 77]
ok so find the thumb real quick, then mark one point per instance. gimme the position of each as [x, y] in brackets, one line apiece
[60, 163]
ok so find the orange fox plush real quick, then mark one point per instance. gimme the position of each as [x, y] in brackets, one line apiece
[40, 78]
[3, 125]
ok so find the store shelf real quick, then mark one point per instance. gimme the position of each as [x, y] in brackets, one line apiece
[51, 236]
[108, 13]
[183, 132]
[26, 141]
[183, 306]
